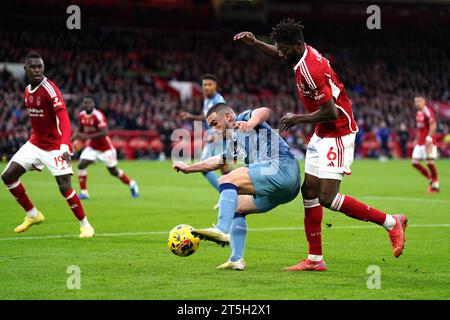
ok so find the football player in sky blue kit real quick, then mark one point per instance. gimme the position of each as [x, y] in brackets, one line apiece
[211, 98]
[271, 176]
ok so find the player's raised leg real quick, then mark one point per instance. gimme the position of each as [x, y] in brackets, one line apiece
[395, 225]
[82, 177]
[75, 205]
[11, 180]
[237, 181]
[119, 173]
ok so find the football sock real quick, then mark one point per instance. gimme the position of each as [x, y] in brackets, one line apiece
[123, 177]
[433, 170]
[84, 222]
[211, 176]
[313, 226]
[18, 191]
[238, 234]
[421, 169]
[82, 179]
[33, 213]
[228, 202]
[361, 211]
[75, 204]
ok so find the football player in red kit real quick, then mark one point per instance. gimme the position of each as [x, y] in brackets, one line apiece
[425, 143]
[94, 129]
[330, 150]
[48, 146]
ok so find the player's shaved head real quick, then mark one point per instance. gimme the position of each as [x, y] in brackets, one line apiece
[220, 109]
[33, 55]
[34, 67]
[88, 103]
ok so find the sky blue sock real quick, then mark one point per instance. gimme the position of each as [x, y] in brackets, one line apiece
[228, 202]
[211, 176]
[238, 234]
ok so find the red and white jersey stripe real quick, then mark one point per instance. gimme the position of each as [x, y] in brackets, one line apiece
[317, 83]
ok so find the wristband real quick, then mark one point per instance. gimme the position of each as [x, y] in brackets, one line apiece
[429, 139]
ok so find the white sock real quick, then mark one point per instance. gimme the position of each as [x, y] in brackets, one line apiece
[85, 192]
[132, 183]
[315, 258]
[390, 222]
[32, 213]
[84, 222]
[435, 184]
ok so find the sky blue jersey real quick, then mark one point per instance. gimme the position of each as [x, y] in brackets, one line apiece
[260, 144]
[209, 102]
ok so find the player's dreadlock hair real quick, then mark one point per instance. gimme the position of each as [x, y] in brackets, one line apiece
[287, 31]
[33, 54]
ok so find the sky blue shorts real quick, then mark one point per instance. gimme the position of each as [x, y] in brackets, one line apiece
[275, 182]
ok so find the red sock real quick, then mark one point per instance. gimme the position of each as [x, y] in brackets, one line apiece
[18, 191]
[357, 210]
[83, 182]
[313, 225]
[75, 204]
[433, 170]
[422, 170]
[123, 177]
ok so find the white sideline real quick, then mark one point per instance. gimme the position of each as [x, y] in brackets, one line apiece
[147, 233]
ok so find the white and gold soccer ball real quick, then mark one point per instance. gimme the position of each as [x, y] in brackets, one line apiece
[182, 242]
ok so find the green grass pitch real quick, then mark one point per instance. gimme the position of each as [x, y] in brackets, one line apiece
[129, 258]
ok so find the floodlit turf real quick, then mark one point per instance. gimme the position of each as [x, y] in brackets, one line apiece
[129, 258]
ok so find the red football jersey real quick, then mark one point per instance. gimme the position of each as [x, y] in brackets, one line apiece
[317, 83]
[423, 119]
[93, 123]
[42, 103]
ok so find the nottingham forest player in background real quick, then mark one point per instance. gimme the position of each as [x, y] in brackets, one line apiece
[49, 146]
[94, 129]
[425, 144]
[330, 150]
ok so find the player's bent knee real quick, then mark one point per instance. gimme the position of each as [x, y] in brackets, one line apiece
[308, 192]
[7, 178]
[326, 199]
[113, 171]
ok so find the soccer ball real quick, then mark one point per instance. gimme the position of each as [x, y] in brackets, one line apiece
[182, 242]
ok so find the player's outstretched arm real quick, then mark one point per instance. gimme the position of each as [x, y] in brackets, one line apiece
[327, 112]
[249, 39]
[258, 116]
[209, 164]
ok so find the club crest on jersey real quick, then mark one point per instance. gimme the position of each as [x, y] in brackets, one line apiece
[38, 101]
[31, 99]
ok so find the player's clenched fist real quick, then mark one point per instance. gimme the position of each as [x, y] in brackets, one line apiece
[245, 36]
[289, 120]
[181, 166]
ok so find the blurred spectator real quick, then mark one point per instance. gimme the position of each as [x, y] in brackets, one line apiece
[403, 138]
[383, 135]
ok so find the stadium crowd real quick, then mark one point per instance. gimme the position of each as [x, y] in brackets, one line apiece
[124, 68]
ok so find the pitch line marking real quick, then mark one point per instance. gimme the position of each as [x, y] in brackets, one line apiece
[148, 233]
